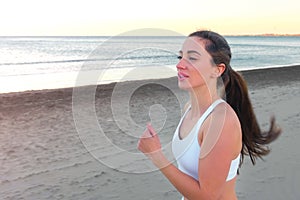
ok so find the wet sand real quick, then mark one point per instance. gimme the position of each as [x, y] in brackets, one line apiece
[51, 147]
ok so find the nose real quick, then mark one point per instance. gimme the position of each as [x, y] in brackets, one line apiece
[181, 65]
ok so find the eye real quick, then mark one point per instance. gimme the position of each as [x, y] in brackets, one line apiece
[179, 57]
[192, 58]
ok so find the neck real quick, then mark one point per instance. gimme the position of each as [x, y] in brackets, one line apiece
[201, 99]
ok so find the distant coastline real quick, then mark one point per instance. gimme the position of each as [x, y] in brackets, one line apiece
[267, 35]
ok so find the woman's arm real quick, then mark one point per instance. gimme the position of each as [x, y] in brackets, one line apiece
[213, 166]
[149, 144]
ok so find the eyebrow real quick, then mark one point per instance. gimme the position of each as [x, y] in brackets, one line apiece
[191, 51]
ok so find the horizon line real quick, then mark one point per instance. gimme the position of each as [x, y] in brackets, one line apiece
[263, 34]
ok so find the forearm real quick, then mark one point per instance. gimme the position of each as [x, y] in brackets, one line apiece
[185, 184]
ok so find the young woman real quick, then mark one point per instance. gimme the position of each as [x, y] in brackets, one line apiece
[216, 130]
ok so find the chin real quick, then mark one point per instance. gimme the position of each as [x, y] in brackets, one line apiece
[184, 86]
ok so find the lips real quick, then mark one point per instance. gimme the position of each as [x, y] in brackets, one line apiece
[182, 76]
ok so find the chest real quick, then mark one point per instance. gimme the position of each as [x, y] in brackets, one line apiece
[189, 124]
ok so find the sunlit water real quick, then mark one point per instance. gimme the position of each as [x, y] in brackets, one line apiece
[34, 63]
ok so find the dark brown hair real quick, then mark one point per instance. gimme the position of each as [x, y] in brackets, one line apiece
[236, 94]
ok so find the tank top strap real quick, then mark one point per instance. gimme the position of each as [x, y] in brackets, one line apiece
[211, 108]
[207, 113]
[184, 114]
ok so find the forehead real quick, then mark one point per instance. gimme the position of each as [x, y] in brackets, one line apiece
[193, 43]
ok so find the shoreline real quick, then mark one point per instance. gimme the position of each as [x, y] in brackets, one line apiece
[257, 73]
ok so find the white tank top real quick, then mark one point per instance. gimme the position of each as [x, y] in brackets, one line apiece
[187, 150]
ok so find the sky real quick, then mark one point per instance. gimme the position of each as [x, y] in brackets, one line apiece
[113, 17]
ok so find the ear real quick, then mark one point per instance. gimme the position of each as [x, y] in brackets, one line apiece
[220, 68]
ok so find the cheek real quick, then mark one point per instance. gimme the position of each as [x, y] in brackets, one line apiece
[199, 74]
[195, 79]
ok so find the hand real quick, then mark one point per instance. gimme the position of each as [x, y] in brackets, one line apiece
[149, 142]
[150, 145]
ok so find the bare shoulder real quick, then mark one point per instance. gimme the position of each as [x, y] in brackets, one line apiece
[227, 115]
[231, 129]
[223, 130]
[226, 111]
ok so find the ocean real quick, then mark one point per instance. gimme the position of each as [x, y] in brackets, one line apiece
[34, 63]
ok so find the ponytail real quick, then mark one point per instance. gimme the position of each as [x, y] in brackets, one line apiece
[254, 140]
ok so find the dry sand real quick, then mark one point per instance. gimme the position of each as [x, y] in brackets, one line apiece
[44, 156]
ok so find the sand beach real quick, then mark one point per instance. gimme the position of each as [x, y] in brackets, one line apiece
[43, 155]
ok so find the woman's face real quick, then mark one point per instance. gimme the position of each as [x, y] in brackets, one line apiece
[195, 67]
